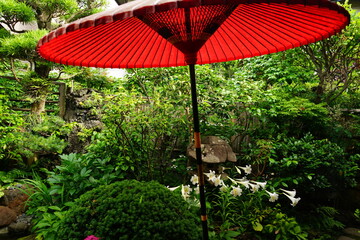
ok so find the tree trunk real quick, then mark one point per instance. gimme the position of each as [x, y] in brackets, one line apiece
[38, 106]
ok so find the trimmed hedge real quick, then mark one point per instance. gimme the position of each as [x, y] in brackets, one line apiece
[130, 210]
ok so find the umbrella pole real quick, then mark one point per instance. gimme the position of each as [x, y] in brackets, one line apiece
[198, 152]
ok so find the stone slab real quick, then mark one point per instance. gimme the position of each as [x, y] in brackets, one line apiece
[345, 238]
[352, 232]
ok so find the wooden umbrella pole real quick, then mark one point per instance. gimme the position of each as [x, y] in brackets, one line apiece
[198, 152]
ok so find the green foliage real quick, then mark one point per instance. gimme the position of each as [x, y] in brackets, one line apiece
[140, 135]
[251, 216]
[312, 165]
[77, 174]
[357, 215]
[130, 210]
[10, 179]
[51, 197]
[334, 60]
[25, 143]
[93, 78]
[284, 68]
[12, 12]
[278, 225]
[293, 116]
[47, 207]
[321, 221]
[10, 124]
[21, 46]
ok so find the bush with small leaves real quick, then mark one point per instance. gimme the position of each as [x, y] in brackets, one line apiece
[130, 210]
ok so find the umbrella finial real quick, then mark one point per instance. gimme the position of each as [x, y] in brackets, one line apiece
[191, 58]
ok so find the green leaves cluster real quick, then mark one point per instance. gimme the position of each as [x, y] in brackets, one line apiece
[312, 165]
[21, 46]
[13, 12]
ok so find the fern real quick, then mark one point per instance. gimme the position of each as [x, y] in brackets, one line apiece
[324, 219]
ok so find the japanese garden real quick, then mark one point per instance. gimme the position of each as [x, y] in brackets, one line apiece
[91, 153]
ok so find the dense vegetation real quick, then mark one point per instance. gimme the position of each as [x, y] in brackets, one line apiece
[292, 116]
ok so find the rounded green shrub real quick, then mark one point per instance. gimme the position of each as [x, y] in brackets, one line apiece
[130, 210]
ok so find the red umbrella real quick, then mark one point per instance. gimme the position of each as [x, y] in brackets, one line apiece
[165, 33]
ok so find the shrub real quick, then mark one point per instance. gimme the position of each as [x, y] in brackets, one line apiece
[312, 164]
[130, 210]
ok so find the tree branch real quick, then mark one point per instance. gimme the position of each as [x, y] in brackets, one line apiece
[13, 70]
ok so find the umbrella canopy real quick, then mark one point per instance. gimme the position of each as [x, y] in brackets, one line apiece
[165, 33]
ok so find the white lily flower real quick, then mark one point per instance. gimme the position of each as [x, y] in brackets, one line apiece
[247, 169]
[210, 175]
[273, 196]
[194, 179]
[243, 182]
[236, 191]
[217, 181]
[173, 188]
[232, 180]
[294, 201]
[185, 191]
[254, 187]
[197, 190]
[223, 188]
[261, 184]
[289, 193]
[238, 169]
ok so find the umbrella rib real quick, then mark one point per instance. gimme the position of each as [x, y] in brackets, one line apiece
[149, 46]
[291, 25]
[85, 34]
[109, 48]
[303, 20]
[96, 49]
[260, 22]
[123, 49]
[241, 27]
[231, 39]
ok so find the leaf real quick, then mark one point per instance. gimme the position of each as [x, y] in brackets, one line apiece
[42, 225]
[92, 179]
[231, 234]
[257, 226]
[56, 208]
[59, 215]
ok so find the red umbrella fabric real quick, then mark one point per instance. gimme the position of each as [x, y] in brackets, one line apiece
[144, 34]
[166, 33]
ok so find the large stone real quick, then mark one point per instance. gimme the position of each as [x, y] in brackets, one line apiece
[345, 238]
[4, 231]
[7, 216]
[15, 199]
[19, 228]
[214, 150]
[355, 232]
[77, 111]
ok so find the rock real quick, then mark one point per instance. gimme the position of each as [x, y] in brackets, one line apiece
[19, 228]
[7, 216]
[4, 231]
[345, 238]
[352, 232]
[77, 111]
[214, 150]
[14, 199]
